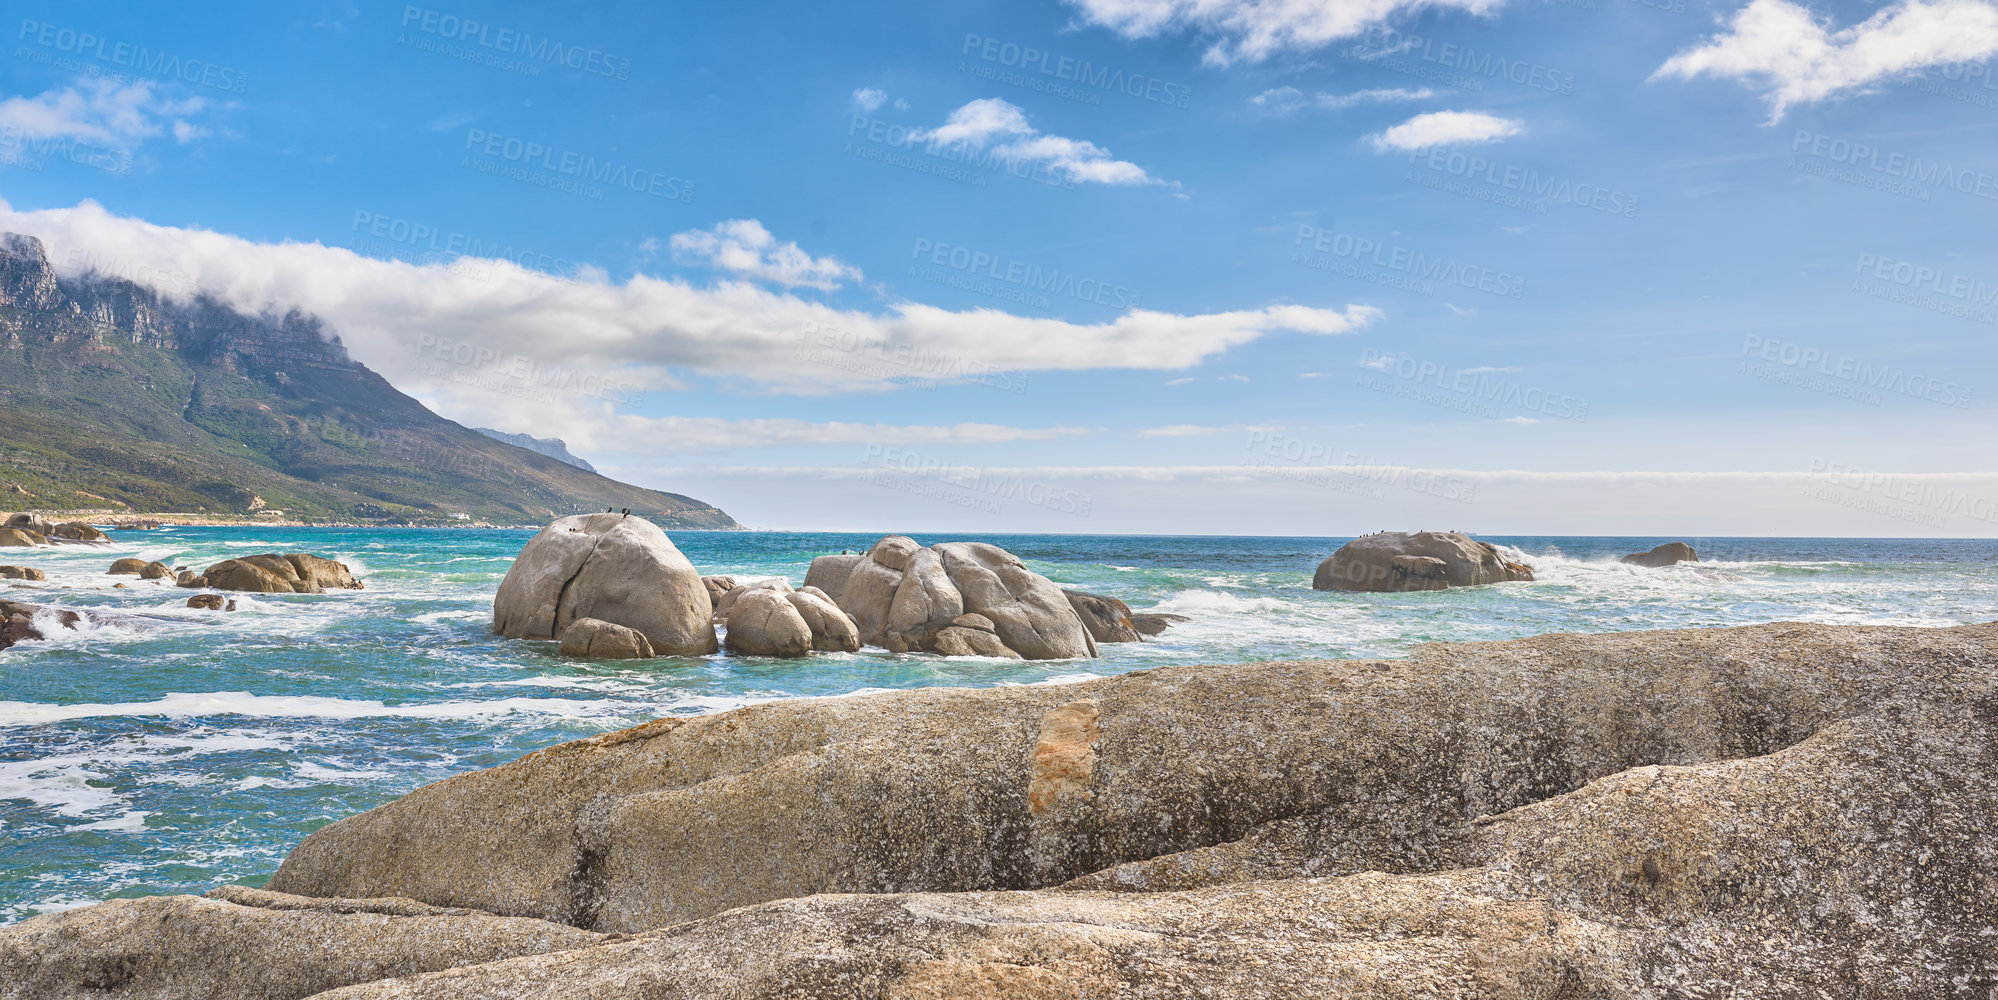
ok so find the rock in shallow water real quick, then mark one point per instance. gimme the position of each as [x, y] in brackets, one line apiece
[598, 639]
[1393, 561]
[1661, 556]
[620, 569]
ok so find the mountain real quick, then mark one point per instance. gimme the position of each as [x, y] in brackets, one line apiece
[113, 396]
[554, 448]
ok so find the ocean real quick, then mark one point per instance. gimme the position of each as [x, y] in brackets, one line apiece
[197, 751]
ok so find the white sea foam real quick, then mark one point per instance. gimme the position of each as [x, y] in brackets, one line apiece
[1196, 602]
[188, 706]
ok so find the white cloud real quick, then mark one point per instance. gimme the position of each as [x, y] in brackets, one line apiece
[1231, 378]
[992, 120]
[1181, 381]
[1786, 51]
[1285, 100]
[1444, 128]
[743, 247]
[708, 434]
[1253, 30]
[1519, 420]
[868, 99]
[646, 332]
[102, 110]
[1179, 430]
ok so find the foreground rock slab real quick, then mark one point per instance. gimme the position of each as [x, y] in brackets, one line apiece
[1383, 765]
[245, 943]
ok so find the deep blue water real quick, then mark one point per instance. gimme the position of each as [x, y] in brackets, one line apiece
[198, 752]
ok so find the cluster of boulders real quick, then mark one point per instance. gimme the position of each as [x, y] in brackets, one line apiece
[1668, 554]
[1395, 561]
[614, 586]
[21, 573]
[1782, 810]
[25, 530]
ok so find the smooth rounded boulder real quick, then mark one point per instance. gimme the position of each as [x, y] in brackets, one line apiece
[762, 621]
[829, 573]
[1395, 561]
[1662, 556]
[143, 569]
[613, 567]
[21, 573]
[595, 639]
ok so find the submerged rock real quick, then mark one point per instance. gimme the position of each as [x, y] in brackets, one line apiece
[1664, 555]
[77, 531]
[1107, 618]
[271, 573]
[1153, 624]
[619, 569]
[1392, 561]
[602, 640]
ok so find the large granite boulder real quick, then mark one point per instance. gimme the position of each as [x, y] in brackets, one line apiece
[717, 586]
[829, 573]
[1392, 561]
[833, 630]
[901, 595]
[21, 538]
[613, 567]
[1664, 555]
[1107, 618]
[238, 943]
[600, 640]
[21, 573]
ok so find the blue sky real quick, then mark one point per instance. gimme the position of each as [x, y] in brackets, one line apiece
[1098, 265]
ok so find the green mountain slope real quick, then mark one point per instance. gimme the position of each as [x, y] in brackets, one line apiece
[110, 396]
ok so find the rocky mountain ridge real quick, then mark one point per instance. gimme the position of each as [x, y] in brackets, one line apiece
[114, 395]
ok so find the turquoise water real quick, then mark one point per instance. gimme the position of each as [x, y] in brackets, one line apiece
[198, 749]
